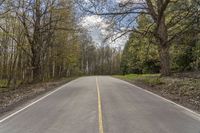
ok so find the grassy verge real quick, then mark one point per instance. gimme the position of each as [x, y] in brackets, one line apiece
[150, 79]
[179, 88]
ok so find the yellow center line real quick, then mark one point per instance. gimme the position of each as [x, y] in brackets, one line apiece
[99, 108]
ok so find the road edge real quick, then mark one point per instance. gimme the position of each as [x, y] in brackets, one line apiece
[32, 102]
[190, 112]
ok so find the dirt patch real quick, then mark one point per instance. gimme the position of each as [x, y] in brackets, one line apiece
[11, 98]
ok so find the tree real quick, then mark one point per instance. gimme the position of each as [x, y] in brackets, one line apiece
[41, 19]
[168, 21]
[38, 41]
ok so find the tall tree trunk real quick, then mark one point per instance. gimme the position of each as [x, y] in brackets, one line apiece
[164, 46]
[164, 60]
[36, 67]
[36, 52]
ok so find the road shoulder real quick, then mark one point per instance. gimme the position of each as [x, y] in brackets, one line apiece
[167, 93]
[11, 100]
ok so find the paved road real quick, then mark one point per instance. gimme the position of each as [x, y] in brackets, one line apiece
[74, 108]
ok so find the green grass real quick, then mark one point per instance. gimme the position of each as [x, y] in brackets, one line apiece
[136, 76]
[151, 79]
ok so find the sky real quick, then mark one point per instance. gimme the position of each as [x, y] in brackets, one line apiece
[99, 29]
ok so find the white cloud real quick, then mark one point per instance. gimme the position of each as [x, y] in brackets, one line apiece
[121, 1]
[125, 1]
[89, 21]
[99, 30]
[94, 21]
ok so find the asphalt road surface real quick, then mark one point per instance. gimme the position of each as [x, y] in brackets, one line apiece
[100, 105]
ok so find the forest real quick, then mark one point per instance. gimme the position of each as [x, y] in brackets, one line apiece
[163, 34]
[143, 54]
[41, 40]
